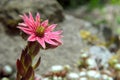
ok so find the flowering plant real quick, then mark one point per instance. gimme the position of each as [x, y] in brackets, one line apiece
[40, 36]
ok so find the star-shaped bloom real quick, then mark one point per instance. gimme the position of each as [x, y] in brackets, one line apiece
[40, 31]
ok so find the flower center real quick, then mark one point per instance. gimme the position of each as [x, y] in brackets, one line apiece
[40, 31]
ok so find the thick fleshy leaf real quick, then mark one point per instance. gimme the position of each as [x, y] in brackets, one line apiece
[44, 23]
[27, 61]
[20, 68]
[24, 52]
[29, 74]
[18, 77]
[41, 41]
[32, 37]
[26, 30]
[36, 50]
[30, 44]
[37, 63]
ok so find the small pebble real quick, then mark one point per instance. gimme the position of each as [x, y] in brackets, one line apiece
[91, 63]
[5, 78]
[91, 73]
[73, 76]
[56, 68]
[105, 77]
[82, 73]
[83, 78]
[84, 55]
[117, 66]
[7, 69]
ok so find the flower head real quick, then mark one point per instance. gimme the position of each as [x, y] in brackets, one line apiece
[40, 31]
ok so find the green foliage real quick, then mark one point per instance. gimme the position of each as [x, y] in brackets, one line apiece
[75, 3]
[72, 3]
[118, 19]
[95, 3]
[115, 2]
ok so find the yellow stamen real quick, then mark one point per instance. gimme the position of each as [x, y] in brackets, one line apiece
[40, 30]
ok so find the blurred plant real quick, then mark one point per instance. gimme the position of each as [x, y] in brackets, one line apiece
[99, 22]
[76, 3]
[118, 31]
[115, 2]
[40, 36]
[95, 3]
[90, 38]
[118, 19]
[113, 44]
[85, 62]
[114, 65]
[72, 3]
[89, 70]
[57, 72]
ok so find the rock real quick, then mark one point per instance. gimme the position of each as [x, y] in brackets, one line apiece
[100, 54]
[5, 78]
[11, 9]
[57, 68]
[72, 76]
[7, 69]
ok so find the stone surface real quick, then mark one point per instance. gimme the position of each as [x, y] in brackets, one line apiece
[11, 9]
[100, 54]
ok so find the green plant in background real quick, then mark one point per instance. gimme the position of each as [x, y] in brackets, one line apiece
[76, 3]
[72, 3]
[96, 4]
[115, 2]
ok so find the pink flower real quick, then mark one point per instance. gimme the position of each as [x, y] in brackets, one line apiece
[40, 31]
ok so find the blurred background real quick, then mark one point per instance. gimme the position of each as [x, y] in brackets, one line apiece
[91, 30]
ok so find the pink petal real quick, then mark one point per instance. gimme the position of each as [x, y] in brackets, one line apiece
[25, 17]
[45, 23]
[22, 24]
[49, 41]
[26, 30]
[56, 38]
[59, 41]
[37, 23]
[51, 27]
[57, 32]
[32, 37]
[29, 21]
[41, 41]
[26, 20]
[30, 16]
[38, 17]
